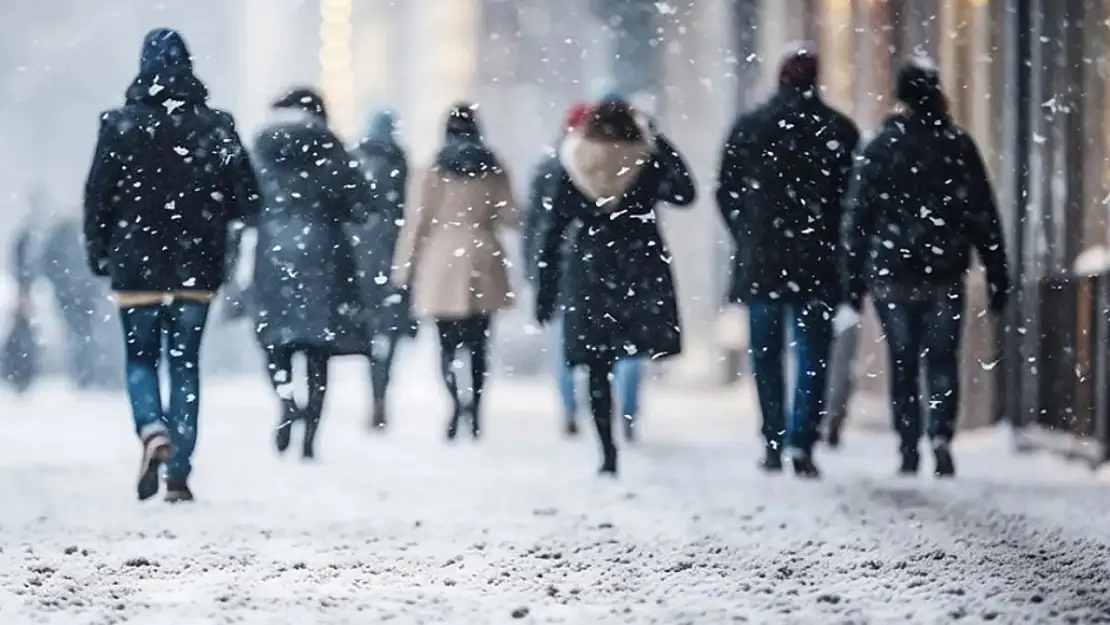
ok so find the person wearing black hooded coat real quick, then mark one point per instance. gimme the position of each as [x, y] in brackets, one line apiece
[386, 308]
[920, 202]
[168, 178]
[306, 287]
[784, 171]
[617, 291]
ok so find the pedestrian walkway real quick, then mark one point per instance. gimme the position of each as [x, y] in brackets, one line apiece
[402, 528]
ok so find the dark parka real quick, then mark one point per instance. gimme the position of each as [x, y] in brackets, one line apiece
[168, 177]
[385, 165]
[921, 170]
[537, 216]
[784, 172]
[306, 285]
[617, 289]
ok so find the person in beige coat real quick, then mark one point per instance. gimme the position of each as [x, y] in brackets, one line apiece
[450, 258]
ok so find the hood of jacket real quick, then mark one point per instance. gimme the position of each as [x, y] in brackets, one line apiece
[294, 138]
[166, 72]
[603, 170]
[467, 158]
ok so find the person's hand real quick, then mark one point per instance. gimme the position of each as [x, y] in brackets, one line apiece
[99, 267]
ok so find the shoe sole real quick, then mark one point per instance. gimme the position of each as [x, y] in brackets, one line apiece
[149, 481]
[175, 497]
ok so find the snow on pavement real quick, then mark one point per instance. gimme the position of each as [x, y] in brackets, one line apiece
[402, 528]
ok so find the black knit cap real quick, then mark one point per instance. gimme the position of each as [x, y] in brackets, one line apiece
[800, 68]
[462, 121]
[918, 83]
[303, 99]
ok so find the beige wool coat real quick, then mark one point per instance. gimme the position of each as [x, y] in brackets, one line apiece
[449, 253]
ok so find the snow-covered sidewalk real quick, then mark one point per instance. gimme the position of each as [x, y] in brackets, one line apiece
[402, 528]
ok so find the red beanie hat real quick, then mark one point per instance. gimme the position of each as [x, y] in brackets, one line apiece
[576, 115]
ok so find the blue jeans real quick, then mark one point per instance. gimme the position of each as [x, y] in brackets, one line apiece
[627, 373]
[926, 332]
[172, 330]
[811, 335]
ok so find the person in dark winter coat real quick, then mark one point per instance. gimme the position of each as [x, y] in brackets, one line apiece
[386, 308]
[306, 285]
[451, 256]
[617, 287]
[168, 178]
[921, 201]
[784, 171]
[84, 306]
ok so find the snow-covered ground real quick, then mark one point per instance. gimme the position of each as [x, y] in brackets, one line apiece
[402, 528]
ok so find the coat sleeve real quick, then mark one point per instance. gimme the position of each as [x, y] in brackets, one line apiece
[983, 220]
[106, 173]
[414, 230]
[732, 190]
[240, 180]
[858, 223]
[539, 202]
[507, 210]
[676, 184]
[549, 265]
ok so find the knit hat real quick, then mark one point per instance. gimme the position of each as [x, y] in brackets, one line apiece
[800, 68]
[576, 115]
[303, 99]
[382, 125]
[462, 121]
[918, 82]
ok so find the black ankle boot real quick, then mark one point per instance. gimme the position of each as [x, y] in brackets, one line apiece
[608, 462]
[942, 455]
[377, 417]
[453, 423]
[911, 460]
[308, 449]
[803, 464]
[772, 461]
[283, 436]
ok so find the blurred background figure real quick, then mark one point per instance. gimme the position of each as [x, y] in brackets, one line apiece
[306, 288]
[451, 256]
[387, 309]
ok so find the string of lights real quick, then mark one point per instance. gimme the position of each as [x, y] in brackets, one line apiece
[336, 73]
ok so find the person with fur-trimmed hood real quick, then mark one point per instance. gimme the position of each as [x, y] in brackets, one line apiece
[306, 287]
[921, 201]
[617, 286]
[451, 257]
[784, 171]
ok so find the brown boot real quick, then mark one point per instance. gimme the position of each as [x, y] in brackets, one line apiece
[156, 452]
[177, 491]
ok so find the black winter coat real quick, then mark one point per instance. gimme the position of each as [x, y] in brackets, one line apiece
[168, 178]
[617, 289]
[375, 242]
[784, 171]
[306, 286]
[920, 201]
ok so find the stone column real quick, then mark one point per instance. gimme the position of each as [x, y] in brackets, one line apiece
[266, 40]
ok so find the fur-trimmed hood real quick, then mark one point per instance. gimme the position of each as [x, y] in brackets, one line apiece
[603, 169]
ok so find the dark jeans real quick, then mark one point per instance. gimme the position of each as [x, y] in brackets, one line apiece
[470, 335]
[924, 332]
[172, 330]
[811, 334]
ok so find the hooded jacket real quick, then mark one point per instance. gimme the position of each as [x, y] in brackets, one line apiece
[616, 288]
[168, 177]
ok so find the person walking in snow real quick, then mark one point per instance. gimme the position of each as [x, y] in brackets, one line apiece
[626, 370]
[450, 256]
[616, 287]
[168, 178]
[920, 202]
[306, 287]
[784, 171]
[387, 312]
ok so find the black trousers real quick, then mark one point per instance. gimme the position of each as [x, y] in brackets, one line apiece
[382, 352]
[280, 367]
[471, 337]
[601, 402]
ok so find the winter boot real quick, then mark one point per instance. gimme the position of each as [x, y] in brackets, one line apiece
[803, 464]
[156, 452]
[570, 427]
[608, 462]
[832, 437]
[453, 423]
[308, 446]
[177, 491]
[772, 461]
[475, 423]
[377, 419]
[629, 422]
[910, 461]
[284, 433]
[942, 456]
